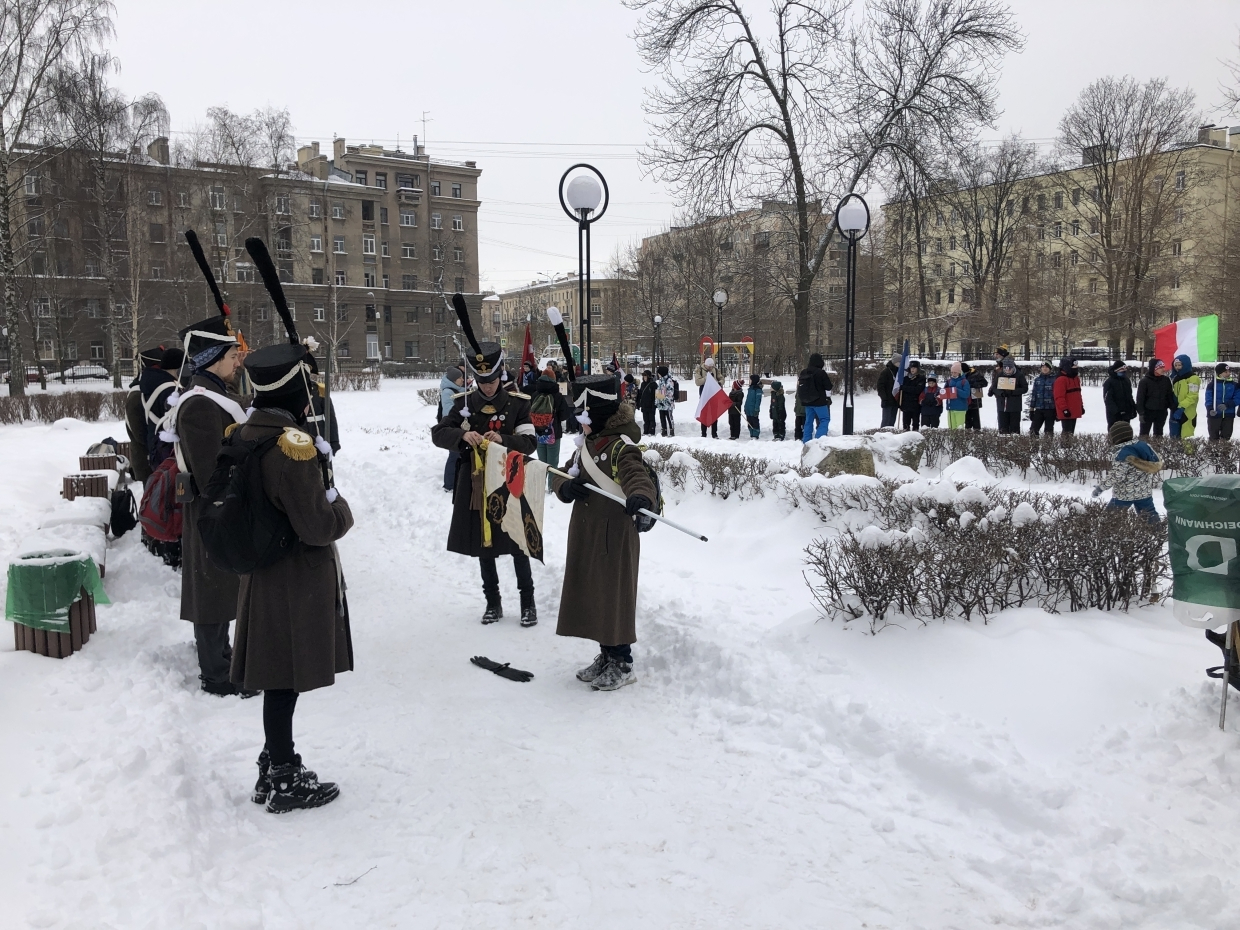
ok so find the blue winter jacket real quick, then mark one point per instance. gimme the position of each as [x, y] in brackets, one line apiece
[1042, 397]
[753, 401]
[1222, 402]
[447, 394]
[963, 390]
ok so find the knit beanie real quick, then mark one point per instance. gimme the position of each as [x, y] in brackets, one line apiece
[1117, 365]
[1221, 367]
[662, 370]
[1120, 431]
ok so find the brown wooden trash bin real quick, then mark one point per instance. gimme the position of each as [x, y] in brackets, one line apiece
[59, 645]
[85, 486]
[97, 462]
[122, 448]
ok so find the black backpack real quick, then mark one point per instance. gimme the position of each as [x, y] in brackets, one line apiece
[124, 512]
[241, 529]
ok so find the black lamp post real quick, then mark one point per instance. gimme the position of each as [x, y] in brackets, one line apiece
[852, 218]
[658, 343]
[721, 300]
[579, 199]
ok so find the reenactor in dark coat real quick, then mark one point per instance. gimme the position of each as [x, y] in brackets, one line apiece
[135, 415]
[292, 617]
[203, 413]
[486, 414]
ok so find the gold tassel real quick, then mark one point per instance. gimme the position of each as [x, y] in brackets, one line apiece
[297, 445]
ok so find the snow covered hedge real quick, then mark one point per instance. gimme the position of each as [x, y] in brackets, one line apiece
[47, 408]
[930, 550]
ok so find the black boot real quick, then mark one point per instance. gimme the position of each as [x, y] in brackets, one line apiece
[529, 613]
[226, 689]
[262, 788]
[494, 611]
[294, 787]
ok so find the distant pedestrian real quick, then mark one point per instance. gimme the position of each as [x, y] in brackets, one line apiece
[737, 396]
[707, 367]
[1186, 386]
[910, 395]
[1042, 401]
[1155, 398]
[957, 396]
[1069, 407]
[666, 389]
[931, 403]
[450, 385]
[753, 406]
[977, 384]
[549, 411]
[1221, 396]
[1117, 394]
[798, 417]
[1007, 387]
[646, 401]
[886, 391]
[814, 393]
[779, 412]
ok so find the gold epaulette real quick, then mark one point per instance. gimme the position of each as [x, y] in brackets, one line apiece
[297, 444]
[519, 394]
[229, 429]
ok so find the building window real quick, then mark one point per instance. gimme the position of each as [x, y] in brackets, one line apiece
[1093, 225]
[951, 295]
[1177, 247]
[244, 271]
[372, 345]
[32, 185]
[406, 182]
[411, 348]
[182, 198]
[157, 271]
[92, 308]
[320, 314]
[381, 180]
[161, 312]
[343, 350]
[69, 350]
[1074, 258]
[282, 203]
[383, 247]
[762, 239]
[435, 188]
[361, 178]
[407, 250]
[1058, 230]
[1058, 200]
[1175, 282]
[1181, 182]
[409, 282]
[341, 279]
[456, 191]
[439, 314]
[1076, 227]
[458, 224]
[1093, 285]
[411, 316]
[337, 211]
[221, 234]
[436, 221]
[338, 245]
[342, 313]
[316, 242]
[387, 350]
[1055, 260]
[458, 284]
[408, 218]
[1041, 232]
[458, 255]
[1041, 202]
[217, 198]
[1076, 197]
[316, 275]
[596, 312]
[938, 246]
[368, 211]
[368, 279]
[316, 209]
[383, 215]
[368, 244]
[1179, 216]
[154, 198]
[263, 314]
[157, 232]
[385, 282]
[436, 254]
[42, 306]
[96, 351]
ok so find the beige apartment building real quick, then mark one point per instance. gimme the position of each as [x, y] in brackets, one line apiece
[367, 243]
[1096, 255]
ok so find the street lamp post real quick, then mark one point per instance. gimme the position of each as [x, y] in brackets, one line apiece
[580, 199]
[658, 344]
[721, 300]
[852, 217]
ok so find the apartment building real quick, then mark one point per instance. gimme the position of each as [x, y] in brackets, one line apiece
[612, 320]
[367, 243]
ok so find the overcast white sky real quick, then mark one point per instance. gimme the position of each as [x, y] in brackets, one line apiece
[527, 88]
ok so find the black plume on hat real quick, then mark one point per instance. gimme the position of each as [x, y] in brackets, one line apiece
[196, 248]
[271, 280]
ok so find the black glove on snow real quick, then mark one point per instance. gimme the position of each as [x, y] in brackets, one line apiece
[503, 671]
[637, 502]
[574, 490]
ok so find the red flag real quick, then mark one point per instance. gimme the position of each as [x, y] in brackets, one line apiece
[713, 403]
[615, 362]
[527, 349]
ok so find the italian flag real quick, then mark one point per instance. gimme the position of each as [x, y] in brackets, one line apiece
[1197, 338]
[713, 403]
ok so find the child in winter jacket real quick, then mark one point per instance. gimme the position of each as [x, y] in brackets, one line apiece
[1068, 404]
[931, 403]
[778, 411]
[665, 401]
[1187, 389]
[753, 406]
[737, 396]
[1155, 397]
[798, 414]
[957, 396]
[1221, 396]
[1042, 401]
[1134, 473]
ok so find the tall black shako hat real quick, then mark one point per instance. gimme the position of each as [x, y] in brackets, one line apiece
[486, 363]
[596, 396]
[280, 375]
[205, 341]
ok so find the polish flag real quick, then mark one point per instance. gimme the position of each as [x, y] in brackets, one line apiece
[713, 403]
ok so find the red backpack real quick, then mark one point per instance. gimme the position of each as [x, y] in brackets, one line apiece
[160, 514]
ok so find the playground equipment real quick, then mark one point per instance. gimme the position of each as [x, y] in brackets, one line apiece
[733, 360]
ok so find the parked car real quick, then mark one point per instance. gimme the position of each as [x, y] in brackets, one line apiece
[34, 374]
[85, 372]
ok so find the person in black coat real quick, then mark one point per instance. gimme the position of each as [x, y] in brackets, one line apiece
[886, 394]
[910, 395]
[1008, 399]
[1117, 395]
[977, 383]
[645, 401]
[737, 396]
[1155, 397]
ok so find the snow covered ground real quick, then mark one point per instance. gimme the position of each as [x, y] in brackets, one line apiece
[768, 769]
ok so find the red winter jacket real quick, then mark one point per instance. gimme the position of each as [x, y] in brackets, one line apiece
[1068, 403]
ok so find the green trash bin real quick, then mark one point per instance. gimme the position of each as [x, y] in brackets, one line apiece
[1203, 541]
[42, 586]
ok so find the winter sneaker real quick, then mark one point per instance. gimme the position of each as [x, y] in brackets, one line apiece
[594, 669]
[494, 612]
[262, 788]
[226, 689]
[529, 615]
[615, 676]
[294, 787]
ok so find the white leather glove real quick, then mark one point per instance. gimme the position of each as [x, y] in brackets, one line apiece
[323, 446]
[332, 494]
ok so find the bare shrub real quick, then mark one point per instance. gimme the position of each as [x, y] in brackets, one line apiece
[47, 408]
[430, 396]
[355, 381]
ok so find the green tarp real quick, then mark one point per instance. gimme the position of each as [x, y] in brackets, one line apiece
[44, 585]
[1203, 541]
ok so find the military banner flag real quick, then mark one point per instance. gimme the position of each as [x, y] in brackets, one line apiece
[515, 487]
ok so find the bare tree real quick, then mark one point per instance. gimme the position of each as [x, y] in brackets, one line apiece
[1230, 86]
[37, 37]
[1131, 139]
[808, 112]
